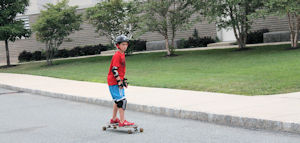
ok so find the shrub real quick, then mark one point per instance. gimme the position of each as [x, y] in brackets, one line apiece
[76, 51]
[110, 47]
[136, 45]
[195, 34]
[197, 42]
[88, 50]
[25, 56]
[102, 47]
[36, 56]
[62, 53]
[256, 36]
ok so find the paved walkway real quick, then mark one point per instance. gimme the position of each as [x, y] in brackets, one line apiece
[274, 112]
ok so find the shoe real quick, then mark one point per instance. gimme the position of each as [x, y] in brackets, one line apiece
[125, 123]
[114, 121]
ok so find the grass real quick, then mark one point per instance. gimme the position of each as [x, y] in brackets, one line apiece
[260, 71]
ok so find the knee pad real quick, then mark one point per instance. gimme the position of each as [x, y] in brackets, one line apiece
[121, 104]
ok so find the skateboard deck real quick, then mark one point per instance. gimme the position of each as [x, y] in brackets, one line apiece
[116, 125]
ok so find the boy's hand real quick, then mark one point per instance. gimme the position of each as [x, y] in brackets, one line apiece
[125, 83]
[120, 84]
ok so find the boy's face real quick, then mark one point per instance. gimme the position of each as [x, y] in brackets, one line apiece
[123, 46]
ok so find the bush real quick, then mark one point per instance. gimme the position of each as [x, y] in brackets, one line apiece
[136, 45]
[102, 47]
[25, 56]
[88, 50]
[43, 55]
[110, 47]
[197, 42]
[63, 53]
[76, 51]
[256, 36]
[36, 56]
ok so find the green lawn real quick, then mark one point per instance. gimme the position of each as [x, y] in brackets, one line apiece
[262, 70]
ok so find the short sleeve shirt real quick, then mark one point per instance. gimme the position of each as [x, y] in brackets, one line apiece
[118, 60]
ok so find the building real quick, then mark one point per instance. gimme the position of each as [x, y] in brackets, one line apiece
[87, 36]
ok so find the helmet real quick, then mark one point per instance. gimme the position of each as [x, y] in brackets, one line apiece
[121, 39]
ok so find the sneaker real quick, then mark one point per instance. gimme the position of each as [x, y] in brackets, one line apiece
[125, 123]
[114, 121]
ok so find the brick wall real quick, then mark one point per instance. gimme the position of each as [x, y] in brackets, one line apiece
[273, 23]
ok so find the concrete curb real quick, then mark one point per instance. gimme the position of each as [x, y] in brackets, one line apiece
[173, 112]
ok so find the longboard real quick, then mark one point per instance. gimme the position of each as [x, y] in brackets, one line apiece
[116, 125]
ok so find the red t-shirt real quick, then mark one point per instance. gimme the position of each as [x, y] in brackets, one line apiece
[118, 60]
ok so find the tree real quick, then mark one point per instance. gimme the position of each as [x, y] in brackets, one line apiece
[114, 17]
[10, 28]
[288, 8]
[195, 34]
[160, 16]
[232, 14]
[54, 24]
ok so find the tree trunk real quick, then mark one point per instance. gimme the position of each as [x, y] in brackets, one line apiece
[291, 28]
[167, 44]
[47, 53]
[7, 53]
[173, 37]
[173, 29]
[297, 30]
[237, 37]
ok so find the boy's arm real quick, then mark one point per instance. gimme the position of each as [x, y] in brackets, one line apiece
[116, 74]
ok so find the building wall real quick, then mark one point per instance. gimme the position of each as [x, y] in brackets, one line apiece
[87, 36]
[273, 23]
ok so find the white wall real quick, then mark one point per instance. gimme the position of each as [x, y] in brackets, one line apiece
[226, 34]
[36, 5]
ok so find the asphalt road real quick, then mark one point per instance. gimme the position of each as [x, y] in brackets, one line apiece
[29, 118]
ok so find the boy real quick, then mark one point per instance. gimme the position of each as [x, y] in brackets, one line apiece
[116, 81]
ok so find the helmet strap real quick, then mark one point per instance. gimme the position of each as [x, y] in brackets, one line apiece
[118, 46]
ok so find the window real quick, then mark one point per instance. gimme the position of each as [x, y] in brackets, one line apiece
[25, 20]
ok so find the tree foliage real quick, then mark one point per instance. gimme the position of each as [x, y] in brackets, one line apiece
[114, 17]
[285, 8]
[160, 16]
[10, 28]
[232, 14]
[54, 24]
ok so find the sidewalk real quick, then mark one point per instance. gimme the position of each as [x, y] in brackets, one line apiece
[272, 112]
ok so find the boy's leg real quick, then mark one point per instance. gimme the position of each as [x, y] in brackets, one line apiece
[122, 115]
[115, 111]
[123, 122]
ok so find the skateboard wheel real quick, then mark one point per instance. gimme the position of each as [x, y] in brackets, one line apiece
[115, 127]
[103, 128]
[141, 130]
[129, 131]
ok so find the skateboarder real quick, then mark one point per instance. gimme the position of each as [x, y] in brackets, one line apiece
[117, 82]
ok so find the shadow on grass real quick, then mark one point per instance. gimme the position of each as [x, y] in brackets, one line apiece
[6, 66]
[292, 48]
[172, 55]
